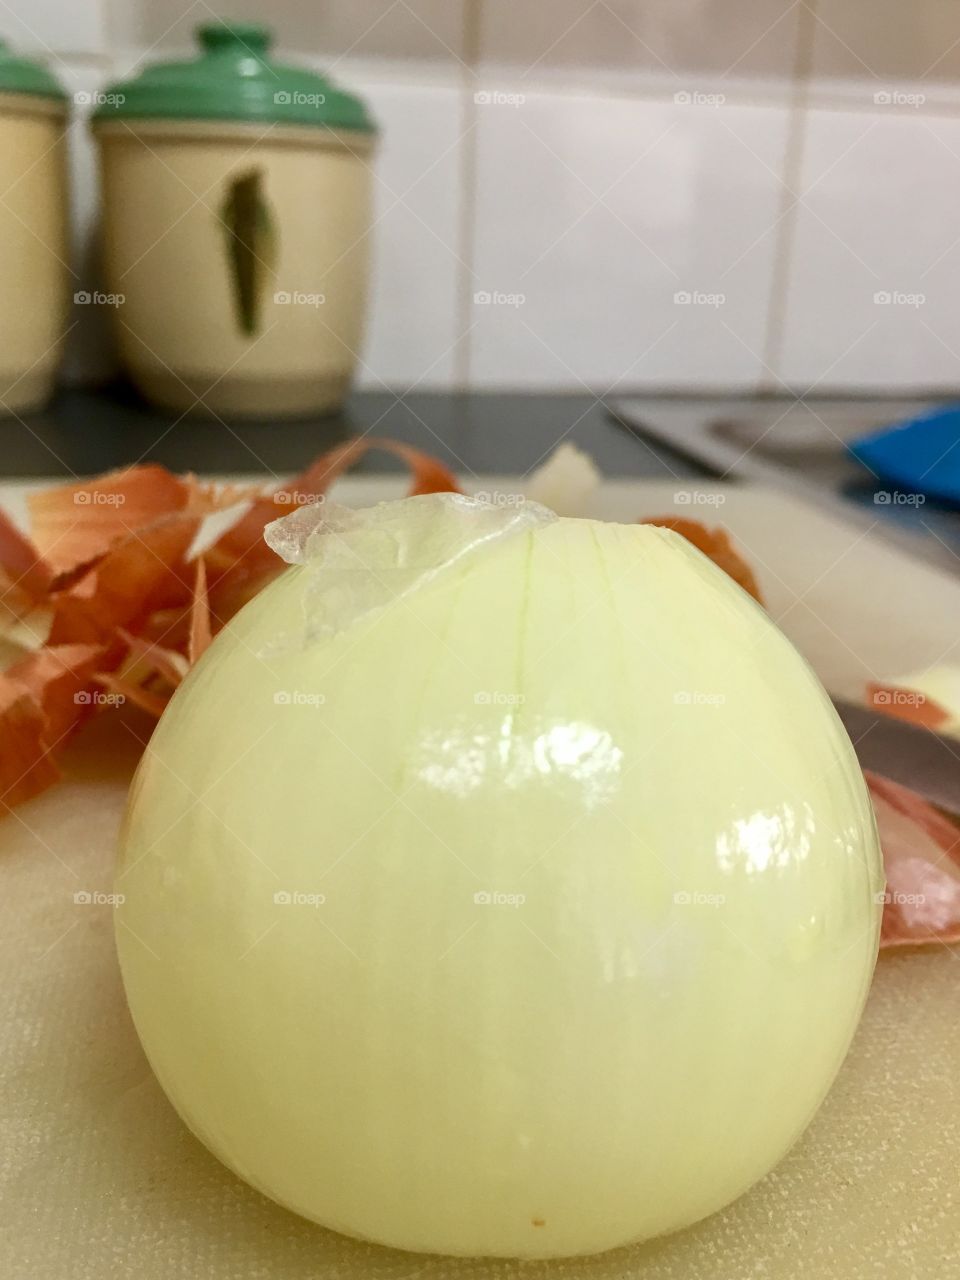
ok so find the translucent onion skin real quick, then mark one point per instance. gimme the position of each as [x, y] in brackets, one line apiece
[530, 915]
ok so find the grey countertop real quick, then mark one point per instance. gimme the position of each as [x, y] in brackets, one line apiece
[83, 433]
[86, 432]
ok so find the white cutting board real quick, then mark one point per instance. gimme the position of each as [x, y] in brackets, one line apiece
[99, 1179]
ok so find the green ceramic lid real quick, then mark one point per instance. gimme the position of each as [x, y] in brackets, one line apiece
[233, 79]
[23, 75]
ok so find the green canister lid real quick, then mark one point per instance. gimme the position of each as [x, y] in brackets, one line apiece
[234, 79]
[24, 75]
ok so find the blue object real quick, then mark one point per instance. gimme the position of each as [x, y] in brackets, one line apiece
[921, 455]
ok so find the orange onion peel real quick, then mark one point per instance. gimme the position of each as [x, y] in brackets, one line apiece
[121, 602]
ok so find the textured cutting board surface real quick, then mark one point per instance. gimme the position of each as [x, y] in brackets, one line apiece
[98, 1177]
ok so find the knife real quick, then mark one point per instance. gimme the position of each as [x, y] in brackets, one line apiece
[916, 757]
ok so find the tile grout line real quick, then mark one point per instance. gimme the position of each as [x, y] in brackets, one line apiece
[793, 157]
[463, 312]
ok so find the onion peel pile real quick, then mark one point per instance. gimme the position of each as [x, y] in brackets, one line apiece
[107, 601]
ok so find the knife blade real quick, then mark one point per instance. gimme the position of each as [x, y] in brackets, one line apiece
[916, 757]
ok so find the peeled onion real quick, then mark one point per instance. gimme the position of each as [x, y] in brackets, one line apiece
[498, 884]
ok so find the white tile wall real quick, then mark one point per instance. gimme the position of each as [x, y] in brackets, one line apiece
[414, 326]
[873, 289]
[601, 196]
[613, 247]
[56, 28]
[673, 38]
[887, 42]
[362, 28]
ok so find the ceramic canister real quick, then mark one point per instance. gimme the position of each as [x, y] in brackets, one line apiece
[34, 268]
[236, 229]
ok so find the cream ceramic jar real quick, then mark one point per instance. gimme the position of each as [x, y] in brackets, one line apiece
[33, 232]
[236, 218]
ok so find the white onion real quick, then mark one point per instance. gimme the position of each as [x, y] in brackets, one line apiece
[497, 884]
